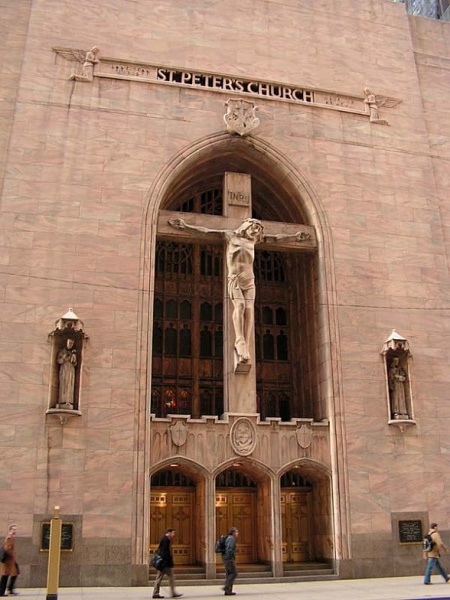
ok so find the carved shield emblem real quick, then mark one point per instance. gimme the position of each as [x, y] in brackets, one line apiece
[304, 436]
[179, 433]
[240, 116]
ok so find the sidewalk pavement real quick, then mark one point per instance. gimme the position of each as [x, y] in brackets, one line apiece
[393, 588]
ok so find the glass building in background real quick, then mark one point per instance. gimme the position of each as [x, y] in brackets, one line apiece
[433, 9]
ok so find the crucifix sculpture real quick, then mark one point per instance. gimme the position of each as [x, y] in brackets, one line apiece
[240, 254]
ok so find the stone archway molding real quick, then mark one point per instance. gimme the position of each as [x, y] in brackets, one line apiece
[286, 174]
[313, 469]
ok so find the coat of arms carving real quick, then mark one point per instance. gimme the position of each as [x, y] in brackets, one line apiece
[304, 436]
[243, 436]
[179, 433]
[240, 116]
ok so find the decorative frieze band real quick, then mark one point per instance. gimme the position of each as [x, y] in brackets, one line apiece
[227, 84]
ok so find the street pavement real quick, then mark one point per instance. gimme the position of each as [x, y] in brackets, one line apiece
[393, 588]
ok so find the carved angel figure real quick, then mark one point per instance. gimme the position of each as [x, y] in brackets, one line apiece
[87, 60]
[373, 102]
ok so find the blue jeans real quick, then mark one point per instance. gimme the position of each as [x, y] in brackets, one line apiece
[433, 563]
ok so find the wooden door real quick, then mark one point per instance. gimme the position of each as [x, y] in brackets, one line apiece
[172, 507]
[237, 508]
[296, 526]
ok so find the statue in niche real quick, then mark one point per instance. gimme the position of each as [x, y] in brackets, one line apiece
[240, 254]
[397, 379]
[67, 361]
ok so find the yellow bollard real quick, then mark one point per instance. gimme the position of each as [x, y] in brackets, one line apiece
[54, 556]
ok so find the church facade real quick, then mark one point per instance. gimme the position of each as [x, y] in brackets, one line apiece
[224, 284]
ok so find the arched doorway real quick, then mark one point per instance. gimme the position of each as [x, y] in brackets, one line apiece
[236, 502]
[187, 375]
[296, 518]
[173, 504]
[306, 514]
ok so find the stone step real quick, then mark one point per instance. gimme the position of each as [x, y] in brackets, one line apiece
[305, 566]
[319, 576]
[190, 575]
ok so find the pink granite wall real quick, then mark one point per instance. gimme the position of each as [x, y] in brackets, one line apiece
[81, 160]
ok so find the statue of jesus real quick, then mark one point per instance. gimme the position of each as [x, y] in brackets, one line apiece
[240, 253]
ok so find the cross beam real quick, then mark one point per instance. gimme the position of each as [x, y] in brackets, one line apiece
[166, 231]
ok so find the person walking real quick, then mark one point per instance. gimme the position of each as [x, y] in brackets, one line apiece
[10, 568]
[433, 556]
[229, 561]
[165, 550]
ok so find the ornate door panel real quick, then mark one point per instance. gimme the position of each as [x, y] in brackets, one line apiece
[296, 529]
[173, 508]
[237, 508]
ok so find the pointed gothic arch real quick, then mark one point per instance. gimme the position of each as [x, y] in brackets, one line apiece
[277, 197]
[298, 202]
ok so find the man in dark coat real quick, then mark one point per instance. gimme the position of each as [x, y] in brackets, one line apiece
[229, 558]
[165, 550]
[10, 568]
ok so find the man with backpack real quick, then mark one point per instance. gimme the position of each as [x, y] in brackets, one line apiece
[432, 555]
[229, 561]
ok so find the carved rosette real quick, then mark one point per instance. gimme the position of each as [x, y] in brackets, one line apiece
[243, 436]
[304, 436]
[178, 432]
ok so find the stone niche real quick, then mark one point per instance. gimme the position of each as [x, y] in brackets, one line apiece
[396, 355]
[68, 341]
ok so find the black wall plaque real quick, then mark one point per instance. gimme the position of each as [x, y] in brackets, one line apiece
[410, 532]
[66, 536]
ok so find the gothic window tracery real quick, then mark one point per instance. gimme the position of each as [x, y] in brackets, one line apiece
[188, 327]
[187, 373]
